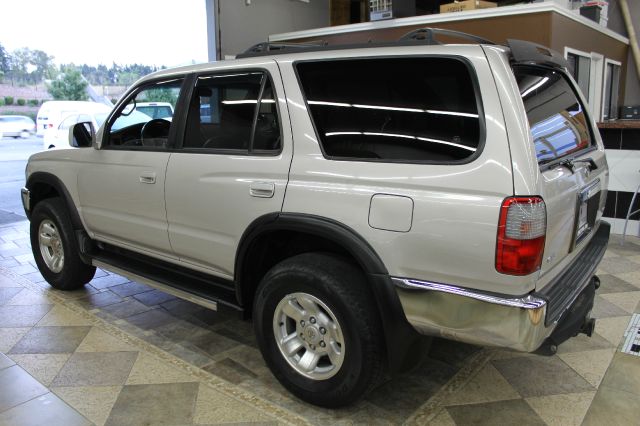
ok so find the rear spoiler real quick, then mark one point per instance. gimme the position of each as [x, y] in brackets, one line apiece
[526, 52]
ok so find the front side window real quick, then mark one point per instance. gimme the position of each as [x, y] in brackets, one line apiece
[422, 109]
[233, 112]
[130, 128]
[557, 118]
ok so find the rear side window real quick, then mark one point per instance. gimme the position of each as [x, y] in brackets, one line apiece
[422, 109]
[557, 118]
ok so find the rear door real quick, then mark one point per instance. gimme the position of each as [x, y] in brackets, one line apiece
[571, 159]
[232, 166]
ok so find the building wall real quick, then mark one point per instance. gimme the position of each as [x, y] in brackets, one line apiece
[616, 23]
[242, 25]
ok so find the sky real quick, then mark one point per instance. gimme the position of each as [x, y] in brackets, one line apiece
[148, 32]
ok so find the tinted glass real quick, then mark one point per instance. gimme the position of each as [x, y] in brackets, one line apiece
[394, 109]
[133, 128]
[223, 110]
[156, 111]
[556, 117]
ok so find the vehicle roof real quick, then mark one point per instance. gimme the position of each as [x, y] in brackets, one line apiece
[15, 116]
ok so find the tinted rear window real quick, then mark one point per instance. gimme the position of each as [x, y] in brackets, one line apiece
[393, 109]
[556, 116]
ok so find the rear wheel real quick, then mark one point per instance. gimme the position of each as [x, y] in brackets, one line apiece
[24, 134]
[54, 247]
[318, 329]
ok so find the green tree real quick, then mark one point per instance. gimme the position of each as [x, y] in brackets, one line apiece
[69, 86]
[4, 60]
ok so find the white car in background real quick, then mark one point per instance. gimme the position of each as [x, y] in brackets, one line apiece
[17, 126]
[156, 109]
[51, 113]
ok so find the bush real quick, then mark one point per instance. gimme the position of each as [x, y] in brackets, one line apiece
[8, 100]
[34, 102]
[114, 101]
[21, 102]
[1, 101]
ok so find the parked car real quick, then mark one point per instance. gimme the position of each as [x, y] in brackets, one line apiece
[352, 215]
[51, 113]
[17, 126]
[59, 137]
[156, 109]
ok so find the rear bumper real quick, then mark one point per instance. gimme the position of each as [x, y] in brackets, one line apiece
[519, 323]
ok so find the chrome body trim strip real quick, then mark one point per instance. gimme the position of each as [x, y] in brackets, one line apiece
[526, 302]
[26, 199]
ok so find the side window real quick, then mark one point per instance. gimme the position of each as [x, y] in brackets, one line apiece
[233, 112]
[557, 119]
[131, 127]
[422, 109]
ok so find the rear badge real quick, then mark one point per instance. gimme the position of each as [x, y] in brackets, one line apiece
[632, 337]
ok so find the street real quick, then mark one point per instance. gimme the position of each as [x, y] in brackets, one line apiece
[14, 154]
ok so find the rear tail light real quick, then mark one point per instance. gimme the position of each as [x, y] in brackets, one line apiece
[521, 233]
[50, 125]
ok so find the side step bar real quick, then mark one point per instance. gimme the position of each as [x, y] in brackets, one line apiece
[207, 303]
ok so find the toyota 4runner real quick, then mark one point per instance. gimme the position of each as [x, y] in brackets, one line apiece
[344, 198]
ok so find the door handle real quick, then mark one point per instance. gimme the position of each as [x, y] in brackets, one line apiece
[262, 189]
[148, 177]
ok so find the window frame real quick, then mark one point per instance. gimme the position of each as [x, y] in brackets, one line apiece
[607, 62]
[482, 128]
[179, 148]
[176, 121]
[564, 73]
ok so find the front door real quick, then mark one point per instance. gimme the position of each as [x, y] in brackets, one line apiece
[121, 185]
[232, 166]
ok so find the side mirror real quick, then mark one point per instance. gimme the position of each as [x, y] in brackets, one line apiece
[82, 135]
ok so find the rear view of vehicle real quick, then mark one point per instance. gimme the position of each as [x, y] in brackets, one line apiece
[16, 126]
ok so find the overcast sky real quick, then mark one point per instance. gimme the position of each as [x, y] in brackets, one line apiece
[149, 32]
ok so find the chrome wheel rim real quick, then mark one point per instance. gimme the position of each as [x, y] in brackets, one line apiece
[51, 246]
[309, 336]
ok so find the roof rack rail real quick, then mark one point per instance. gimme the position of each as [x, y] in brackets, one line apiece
[421, 36]
[428, 34]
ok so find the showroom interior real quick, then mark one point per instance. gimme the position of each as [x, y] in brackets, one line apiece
[124, 352]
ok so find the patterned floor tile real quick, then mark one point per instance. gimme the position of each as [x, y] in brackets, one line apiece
[22, 316]
[487, 386]
[151, 319]
[632, 278]
[212, 343]
[512, 412]
[47, 410]
[108, 281]
[214, 407]
[7, 293]
[50, 340]
[93, 402]
[627, 301]
[582, 342]
[98, 300]
[562, 410]
[99, 341]
[618, 265]
[150, 370]
[43, 367]
[154, 404]
[27, 297]
[5, 361]
[7, 282]
[126, 308]
[61, 316]
[10, 336]
[589, 364]
[153, 297]
[624, 374]
[602, 308]
[541, 376]
[22, 387]
[612, 284]
[129, 289]
[613, 407]
[612, 329]
[96, 369]
[230, 370]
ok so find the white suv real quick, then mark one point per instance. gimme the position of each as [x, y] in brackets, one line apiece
[345, 198]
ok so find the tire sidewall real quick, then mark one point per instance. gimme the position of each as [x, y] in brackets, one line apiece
[343, 382]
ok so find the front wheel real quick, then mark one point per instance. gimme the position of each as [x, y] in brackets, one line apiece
[54, 247]
[318, 329]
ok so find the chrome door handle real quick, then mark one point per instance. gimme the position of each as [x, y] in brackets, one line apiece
[262, 189]
[148, 177]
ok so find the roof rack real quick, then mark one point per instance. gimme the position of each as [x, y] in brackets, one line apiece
[421, 36]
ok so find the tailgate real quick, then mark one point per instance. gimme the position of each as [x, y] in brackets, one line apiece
[572, 163]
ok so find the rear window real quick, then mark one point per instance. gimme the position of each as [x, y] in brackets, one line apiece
[556, 116]
[422, 109]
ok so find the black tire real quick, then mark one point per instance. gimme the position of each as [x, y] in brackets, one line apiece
[74, 272]
[343, 289]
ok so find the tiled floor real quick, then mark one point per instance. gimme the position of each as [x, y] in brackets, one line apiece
[119, 352]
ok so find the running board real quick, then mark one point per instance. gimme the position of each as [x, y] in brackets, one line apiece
[207, 303]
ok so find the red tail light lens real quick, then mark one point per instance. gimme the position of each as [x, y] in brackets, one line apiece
[521, 234]
[50, 125]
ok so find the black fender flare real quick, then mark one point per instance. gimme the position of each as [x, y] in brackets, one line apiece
[55, 182]
[399, 334]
